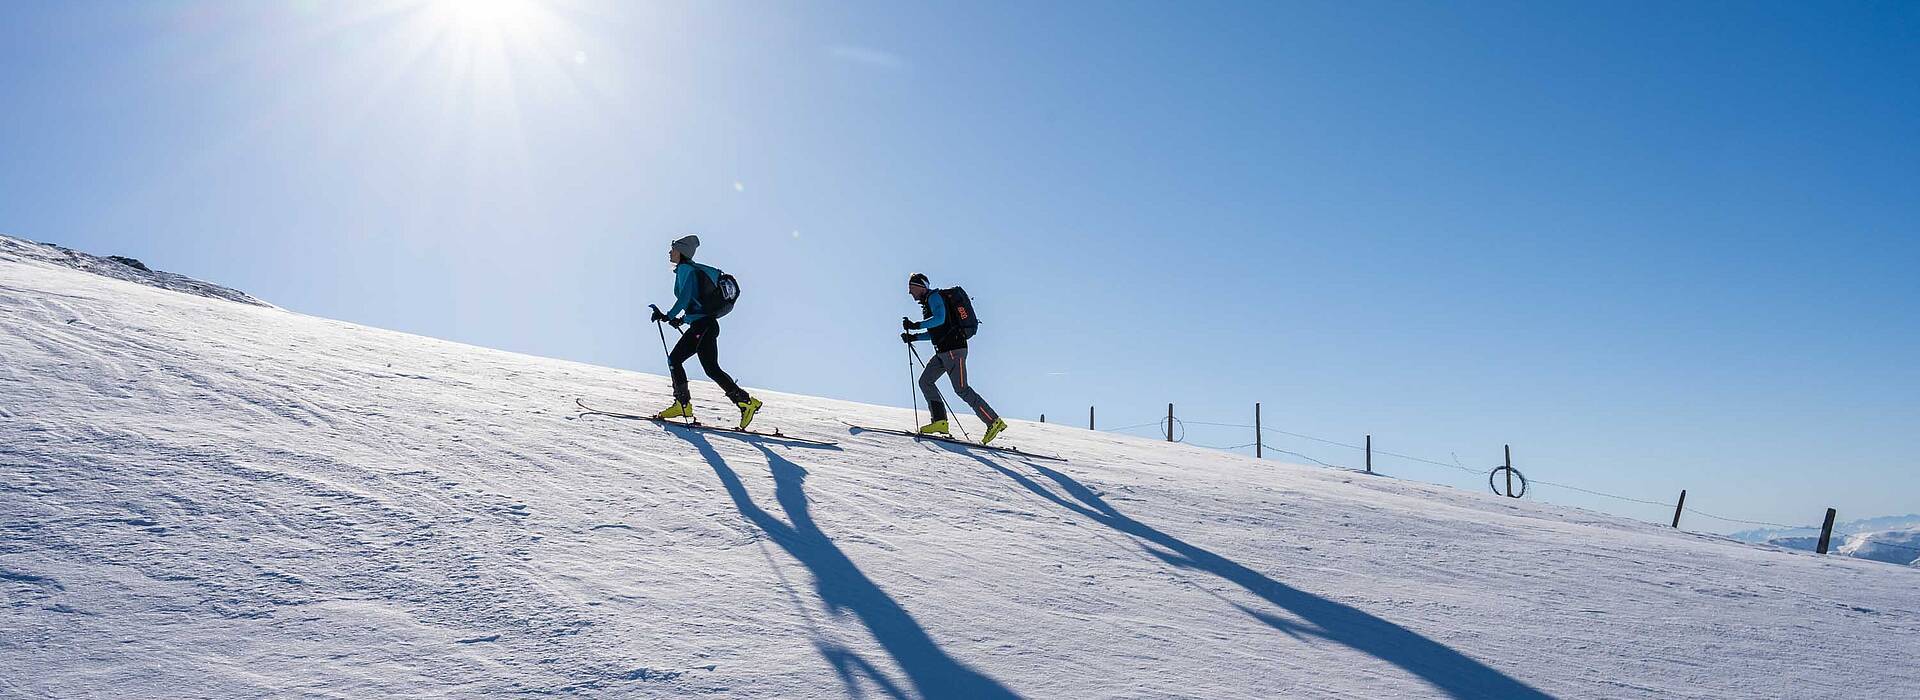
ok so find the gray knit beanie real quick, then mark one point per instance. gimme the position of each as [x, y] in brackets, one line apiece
[686, 246]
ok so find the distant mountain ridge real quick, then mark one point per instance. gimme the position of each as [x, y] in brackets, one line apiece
[1894, 539]
[1850, 527]
[1891, 546]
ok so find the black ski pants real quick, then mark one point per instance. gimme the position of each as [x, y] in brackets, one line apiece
[701, 338]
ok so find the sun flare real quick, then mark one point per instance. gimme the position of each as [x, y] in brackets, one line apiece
[468, 18]
[486, 45]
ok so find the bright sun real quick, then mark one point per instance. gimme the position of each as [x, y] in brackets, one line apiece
[485, 39]
[468, 18]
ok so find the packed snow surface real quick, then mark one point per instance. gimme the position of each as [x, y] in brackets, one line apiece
[201, 498]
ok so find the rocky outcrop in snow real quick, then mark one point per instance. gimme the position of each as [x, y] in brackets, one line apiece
[116, 267]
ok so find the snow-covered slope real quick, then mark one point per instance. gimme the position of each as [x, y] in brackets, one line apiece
[210, 499]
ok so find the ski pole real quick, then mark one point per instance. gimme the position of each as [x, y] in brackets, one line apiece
[663, 336]
[663, 347]
[913, 388]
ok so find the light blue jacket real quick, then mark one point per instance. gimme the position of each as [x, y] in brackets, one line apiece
[938, 307]
[686, 290]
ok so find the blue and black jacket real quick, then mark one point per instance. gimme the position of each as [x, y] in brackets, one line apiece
[686, 289]
[945, 336]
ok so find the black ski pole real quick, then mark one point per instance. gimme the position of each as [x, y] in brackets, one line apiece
[912, 387]
[663, 336]
[663, 345]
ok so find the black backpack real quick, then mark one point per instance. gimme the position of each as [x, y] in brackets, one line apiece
[960, 313]
[717, 294]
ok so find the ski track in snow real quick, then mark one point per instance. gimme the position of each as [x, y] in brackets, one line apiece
[201, 498]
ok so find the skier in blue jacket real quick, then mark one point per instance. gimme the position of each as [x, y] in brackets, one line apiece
[949, 358]
[701, 336]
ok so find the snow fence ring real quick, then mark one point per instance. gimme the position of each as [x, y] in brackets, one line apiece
[1493, 478]
[1180, 432]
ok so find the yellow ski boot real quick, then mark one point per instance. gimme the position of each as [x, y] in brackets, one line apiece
[677, 410]
[938, 427]
[747, 409]
[993, 431]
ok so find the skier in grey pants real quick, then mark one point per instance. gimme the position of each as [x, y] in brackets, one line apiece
[949, 358]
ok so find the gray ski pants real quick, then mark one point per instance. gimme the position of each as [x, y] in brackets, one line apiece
[952, 363]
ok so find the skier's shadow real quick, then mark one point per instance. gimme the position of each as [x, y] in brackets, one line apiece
[1450, 671]
[843, 587]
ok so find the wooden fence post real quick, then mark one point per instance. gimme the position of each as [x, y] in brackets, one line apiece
[1169, 422]
[1258, 437]
[1677, 507]
[1509, 471]
[1826, 533]
[1369, 454]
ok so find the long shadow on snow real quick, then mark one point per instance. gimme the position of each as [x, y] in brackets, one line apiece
[1450, 671]
[844, 588]
[755, 438]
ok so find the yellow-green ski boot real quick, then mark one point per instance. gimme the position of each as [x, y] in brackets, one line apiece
[747, 409]
[938, 427]
[677, 410]
[993, 431]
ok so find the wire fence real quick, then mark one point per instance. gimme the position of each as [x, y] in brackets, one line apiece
[1178, 433]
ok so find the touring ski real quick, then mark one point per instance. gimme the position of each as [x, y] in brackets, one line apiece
[776, 434]
[958, 441]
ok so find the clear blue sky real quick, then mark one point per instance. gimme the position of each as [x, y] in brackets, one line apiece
[1653, 245]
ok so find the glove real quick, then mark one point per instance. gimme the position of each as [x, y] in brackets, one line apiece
[906, 324]
[657, 316]
[906, 338]
[675, 322]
